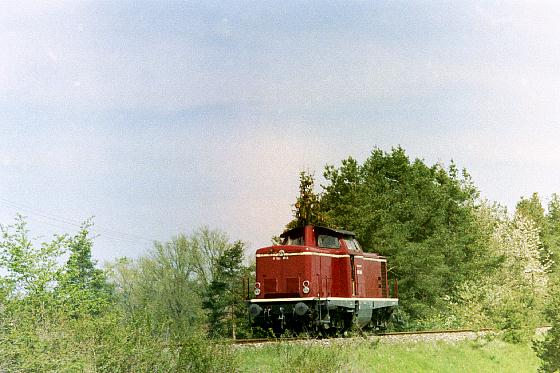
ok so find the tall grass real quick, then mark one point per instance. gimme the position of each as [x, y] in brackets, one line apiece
[285, 357]
[465, 356]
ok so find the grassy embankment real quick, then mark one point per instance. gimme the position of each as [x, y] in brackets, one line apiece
[465, 356]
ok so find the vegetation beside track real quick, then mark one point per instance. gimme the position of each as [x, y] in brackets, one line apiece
[465, 356]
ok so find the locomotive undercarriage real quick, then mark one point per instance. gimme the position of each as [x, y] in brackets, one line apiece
[321, 316]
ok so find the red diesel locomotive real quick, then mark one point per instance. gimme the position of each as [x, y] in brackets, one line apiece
[319, 279]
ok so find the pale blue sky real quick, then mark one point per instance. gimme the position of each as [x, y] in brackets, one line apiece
[160, 117]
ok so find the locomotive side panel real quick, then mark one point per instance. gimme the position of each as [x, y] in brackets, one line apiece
[370, 278]
[359, 278]
[342, 283]
[324, 277]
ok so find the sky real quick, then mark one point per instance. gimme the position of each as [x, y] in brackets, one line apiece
[158, 118]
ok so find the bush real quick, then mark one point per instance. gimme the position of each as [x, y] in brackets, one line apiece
[105, 343]
[198, 354]
[548, 350]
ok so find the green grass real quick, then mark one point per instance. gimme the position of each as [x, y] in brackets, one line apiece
[465, 356]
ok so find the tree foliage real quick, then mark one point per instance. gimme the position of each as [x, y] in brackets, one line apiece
[161, 287]
[551, 231]
[532, 209]
[307, 209]
[207, 247]
[30, 270]
[81, 284]
[224, 298]
[44, 298]
[548, 350]
[58, 312]
[420, 216]
[459, 260]
[185, 283]
[510, 297]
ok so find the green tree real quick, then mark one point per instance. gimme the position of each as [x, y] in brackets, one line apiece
[162, 287]
[532, 209]
[225, 295]
[206, 246]
[341, 199]
[29, 270]
[80, 284]
[307, 209]
[548, 350]
[421, 217]
[44, 309]
[551, 231]
[169, 285]
[511, 297]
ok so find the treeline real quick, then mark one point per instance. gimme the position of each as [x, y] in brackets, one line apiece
[162, 312]
[460, 261]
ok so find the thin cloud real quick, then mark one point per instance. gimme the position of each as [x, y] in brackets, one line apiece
[162, 117]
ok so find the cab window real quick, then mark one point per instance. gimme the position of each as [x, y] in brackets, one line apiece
[357, 244]
[293, 241]
[327, 241]
[352, 244]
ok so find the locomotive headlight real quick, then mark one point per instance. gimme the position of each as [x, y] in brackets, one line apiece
[257, 288]
[306, 287]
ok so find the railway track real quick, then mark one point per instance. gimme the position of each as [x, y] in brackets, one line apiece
[445, 334]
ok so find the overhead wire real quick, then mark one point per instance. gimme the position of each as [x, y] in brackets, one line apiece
[70, 222]
[101, 231]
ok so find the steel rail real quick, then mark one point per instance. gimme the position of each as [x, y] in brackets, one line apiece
[443, 331]
[366, 335]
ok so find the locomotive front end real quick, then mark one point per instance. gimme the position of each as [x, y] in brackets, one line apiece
[284, 285]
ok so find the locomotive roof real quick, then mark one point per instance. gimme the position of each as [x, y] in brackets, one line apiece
[331, 230]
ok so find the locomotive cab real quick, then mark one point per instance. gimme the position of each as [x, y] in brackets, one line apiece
[320, 278]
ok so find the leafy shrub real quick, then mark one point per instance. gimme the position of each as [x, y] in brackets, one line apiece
[548, 350]
[510, 298]
[198, 354]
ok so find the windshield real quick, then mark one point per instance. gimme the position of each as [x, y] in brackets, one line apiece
[330, 242]
[352, 244]
[296, 240]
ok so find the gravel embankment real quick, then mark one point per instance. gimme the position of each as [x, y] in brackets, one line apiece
[433, 337]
